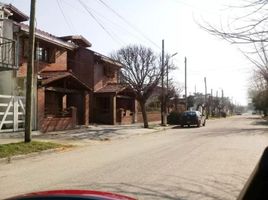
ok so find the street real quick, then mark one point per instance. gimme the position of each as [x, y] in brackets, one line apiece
[211, 162]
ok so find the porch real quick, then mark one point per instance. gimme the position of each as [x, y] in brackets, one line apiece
[114, 104]
[59, 97]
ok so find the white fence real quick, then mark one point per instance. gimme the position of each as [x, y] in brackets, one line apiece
[12, 113]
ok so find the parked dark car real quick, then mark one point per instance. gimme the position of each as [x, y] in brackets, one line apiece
[238, 113]
[192, 118]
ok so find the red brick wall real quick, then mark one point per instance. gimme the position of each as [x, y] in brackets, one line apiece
[152, 116]
[60, 64]
[81, 62]
[100, 80]
[127, 120]
[57, 124]
[40, 106]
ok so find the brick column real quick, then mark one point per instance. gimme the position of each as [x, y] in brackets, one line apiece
[135, 111]
[86, 108]
[113, 109]
[40, 107]
[74, 116]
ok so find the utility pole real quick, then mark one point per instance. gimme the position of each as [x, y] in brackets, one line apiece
[211, 109]
[206, 101]
[167, 89]
[185, 81]
[222, 95]
[205, 81]
[29, 84]
[163, 104]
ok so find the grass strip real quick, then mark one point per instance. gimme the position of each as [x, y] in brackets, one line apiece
[21, 148]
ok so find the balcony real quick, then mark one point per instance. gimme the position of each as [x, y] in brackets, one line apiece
[7, 54]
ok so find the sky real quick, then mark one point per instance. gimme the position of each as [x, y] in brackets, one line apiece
[112, 24]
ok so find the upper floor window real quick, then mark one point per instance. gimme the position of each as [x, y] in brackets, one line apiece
[42, 54]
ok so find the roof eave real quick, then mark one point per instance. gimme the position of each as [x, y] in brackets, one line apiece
[21, 15]
[55, 41]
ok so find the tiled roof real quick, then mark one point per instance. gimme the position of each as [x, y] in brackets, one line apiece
[49, 77]
[17, 15]
[111, 88]
[108, 60]
[78, 40]
[48, 37]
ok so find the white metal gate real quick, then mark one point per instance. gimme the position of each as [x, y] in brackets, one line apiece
[12, 113]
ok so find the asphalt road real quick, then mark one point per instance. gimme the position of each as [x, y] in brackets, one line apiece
[211, 162]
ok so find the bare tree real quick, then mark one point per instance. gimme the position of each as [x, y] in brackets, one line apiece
[260, 60]
[258, 92]
[246, 29]
[250, 31]
[141, 72]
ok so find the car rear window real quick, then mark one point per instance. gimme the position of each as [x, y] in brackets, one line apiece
[189, 114]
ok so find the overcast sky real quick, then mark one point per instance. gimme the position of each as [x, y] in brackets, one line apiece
[147, 22]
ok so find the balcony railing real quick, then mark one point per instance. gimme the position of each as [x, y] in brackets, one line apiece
[7, 54]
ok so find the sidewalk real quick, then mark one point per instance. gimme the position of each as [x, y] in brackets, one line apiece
[92, 133]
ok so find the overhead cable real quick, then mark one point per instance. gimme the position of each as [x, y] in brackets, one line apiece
[128, 23]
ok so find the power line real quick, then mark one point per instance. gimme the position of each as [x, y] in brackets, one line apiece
[70, 25]
[98, 22]
[112, 23]
[116, 25]
[128, 23]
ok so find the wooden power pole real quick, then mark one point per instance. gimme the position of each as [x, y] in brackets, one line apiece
[185, 82]
[163, 99]
[29, 84]
[206, 100]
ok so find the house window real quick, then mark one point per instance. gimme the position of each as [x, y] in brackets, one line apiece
[42, 54]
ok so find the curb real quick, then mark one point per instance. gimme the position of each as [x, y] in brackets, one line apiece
[8, 160]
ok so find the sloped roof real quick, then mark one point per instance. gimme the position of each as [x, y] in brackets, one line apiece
[50, 77]
[112, 88]
[17, 15]
[48, 37]
[108, 60]
[78, 40]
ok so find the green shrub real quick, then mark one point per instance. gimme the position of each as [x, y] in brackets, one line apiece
[174, 118]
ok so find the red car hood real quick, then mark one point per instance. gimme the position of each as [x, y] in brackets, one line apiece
[74, 193]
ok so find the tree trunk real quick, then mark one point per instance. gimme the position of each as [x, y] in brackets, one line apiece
[144, 114]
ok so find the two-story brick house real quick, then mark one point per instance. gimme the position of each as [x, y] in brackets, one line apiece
[111, 102]
[54, 87]
[73, 85]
